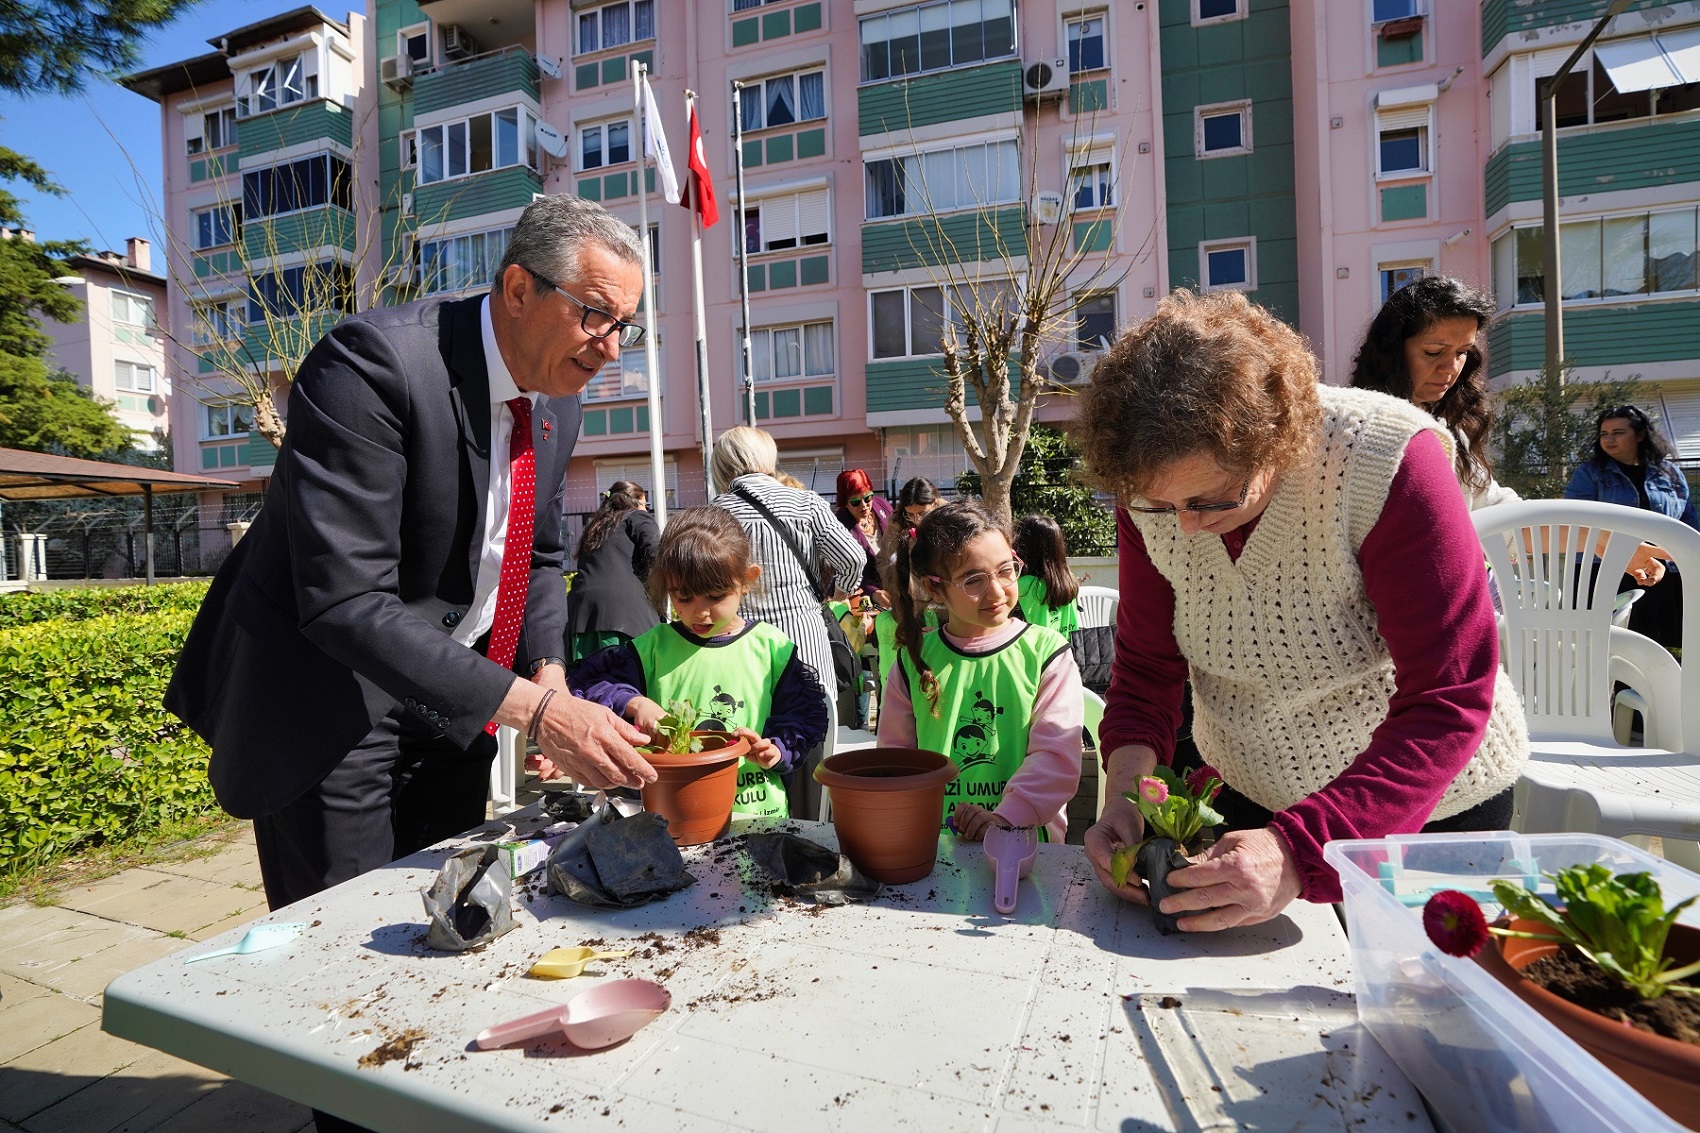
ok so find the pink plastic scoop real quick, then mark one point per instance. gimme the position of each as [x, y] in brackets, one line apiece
[1011, 849]
[609, 1013]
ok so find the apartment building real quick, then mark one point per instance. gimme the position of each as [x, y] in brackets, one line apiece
[903, 159]
[115, 348]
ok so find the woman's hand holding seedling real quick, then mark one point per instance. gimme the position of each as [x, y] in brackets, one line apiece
[1247, 877]
[1112, 840]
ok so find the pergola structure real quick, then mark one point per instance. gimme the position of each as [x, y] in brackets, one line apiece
[42, 476]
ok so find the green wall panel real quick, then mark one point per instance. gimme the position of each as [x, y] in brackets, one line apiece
[758, 277]
[787, 403]
[1094, 235]
[965, 237]
[1089, 96]
[1398, 52]
[817, 401]
[764, 406]
[814, 269]
[512, 72]
[746, 32]
[752, 154]
[782, 274]
[311, 121]
[622, 420]
[1603, 335]
[613, 70]
[296, 231]
[259, 453]
[948, 96]
[586, 75]
[595, 423]
[779, 149]
[811, 143]
[590, 188]
[1501, 18]
[776, 25]
[615, 186]
[475, 196]
[806, 17]
[1404, 202]
[1629, 157]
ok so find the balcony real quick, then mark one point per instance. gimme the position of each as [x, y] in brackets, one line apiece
[1641, 154]
[511, 70]
[315, 120]
[943, 96]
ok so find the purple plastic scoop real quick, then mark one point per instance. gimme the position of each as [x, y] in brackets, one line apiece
[1011, 849]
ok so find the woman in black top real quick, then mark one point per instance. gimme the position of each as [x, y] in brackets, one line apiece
[607, 604]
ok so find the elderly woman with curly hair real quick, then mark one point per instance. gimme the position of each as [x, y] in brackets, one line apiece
[1279, 545]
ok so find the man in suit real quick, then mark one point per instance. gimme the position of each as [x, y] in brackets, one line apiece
[357, 649]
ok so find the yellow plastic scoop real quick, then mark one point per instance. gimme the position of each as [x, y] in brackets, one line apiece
[565, 963]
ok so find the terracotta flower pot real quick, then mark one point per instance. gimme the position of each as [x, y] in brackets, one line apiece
[694, 792]
[887, 803]
[1664, 1071]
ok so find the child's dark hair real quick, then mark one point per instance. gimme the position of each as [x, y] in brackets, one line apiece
[1043, 552]
[703, 551]
[621, 497]
[938, 542]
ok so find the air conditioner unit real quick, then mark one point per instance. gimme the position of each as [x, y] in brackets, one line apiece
[1073, 368]
[457, 44]
[404, 274]
[396, 73]
[1046, 78]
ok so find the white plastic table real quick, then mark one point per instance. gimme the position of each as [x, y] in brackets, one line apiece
[923, 1010]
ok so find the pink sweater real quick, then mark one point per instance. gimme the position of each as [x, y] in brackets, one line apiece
[1423, 573]
[1039, 791]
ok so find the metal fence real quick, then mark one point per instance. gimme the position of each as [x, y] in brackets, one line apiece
[103, 539]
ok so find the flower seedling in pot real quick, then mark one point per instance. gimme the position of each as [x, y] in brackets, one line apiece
[1176, 813]
[675, 734]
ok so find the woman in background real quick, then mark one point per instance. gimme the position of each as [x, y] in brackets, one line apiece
[607, 605]
[866, 516]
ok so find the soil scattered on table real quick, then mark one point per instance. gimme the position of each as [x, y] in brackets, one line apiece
[397, 1049]
[1569, 976]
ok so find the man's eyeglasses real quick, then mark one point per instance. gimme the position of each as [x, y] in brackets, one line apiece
[858, 501]
[1224, 505]
[975, 585]
[596, 322]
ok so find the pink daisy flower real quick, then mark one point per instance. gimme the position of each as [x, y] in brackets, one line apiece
[1455, 923]
[1153, 790]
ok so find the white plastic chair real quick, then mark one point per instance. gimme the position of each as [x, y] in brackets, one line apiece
[1097, 606]
[507, 772]
[1563, 653]
[1093, 718]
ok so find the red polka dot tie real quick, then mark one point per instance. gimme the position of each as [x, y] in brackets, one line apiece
[516, 548]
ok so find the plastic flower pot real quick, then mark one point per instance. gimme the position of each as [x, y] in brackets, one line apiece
[1665, 1071]
[887, 805]
[694, 792]
[1157, 859]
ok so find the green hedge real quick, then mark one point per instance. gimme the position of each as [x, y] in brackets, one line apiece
[98, 601]
[87, 753]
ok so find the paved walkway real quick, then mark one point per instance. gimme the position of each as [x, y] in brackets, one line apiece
[59, 1072]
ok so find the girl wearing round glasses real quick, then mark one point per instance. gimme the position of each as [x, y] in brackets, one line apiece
[1303, 553]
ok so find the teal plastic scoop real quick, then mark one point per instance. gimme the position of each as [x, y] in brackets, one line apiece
[257, 939]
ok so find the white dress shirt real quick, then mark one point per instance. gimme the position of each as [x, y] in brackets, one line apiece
[482, 614]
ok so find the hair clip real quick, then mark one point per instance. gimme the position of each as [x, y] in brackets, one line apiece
[911, 533]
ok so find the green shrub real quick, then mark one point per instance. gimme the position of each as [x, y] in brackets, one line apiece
[98, 601]
[87, 753]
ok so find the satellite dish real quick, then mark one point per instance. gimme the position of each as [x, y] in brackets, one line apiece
[550, 68]
[551, 140]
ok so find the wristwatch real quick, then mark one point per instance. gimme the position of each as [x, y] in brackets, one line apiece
[537, 665]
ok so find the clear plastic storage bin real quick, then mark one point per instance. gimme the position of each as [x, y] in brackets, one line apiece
[1482, 1058]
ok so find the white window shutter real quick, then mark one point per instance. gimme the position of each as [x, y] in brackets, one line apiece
[1402, 117]
[779, 219]
[813, 213]
[194, 132]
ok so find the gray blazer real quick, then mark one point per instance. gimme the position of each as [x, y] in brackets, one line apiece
[338, 604]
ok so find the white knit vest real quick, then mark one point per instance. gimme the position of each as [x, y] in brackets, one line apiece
[1290, 676]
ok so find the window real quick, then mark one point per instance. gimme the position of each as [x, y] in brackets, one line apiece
[607, 143]
[1402, 141]
[793, 220]
[133, 377]
[408, 140]
[414, 44]
[949, 33]
[280, 83]
[1095, 321]
[792, 353]
[308, 183]
[1393, 278]
[218, 321]
[627, 376]
[1385, 11]
[213, 130]
[1589, 96]
[226, 421]
[1649, 253]
[216, 226]
[497, 140]
[630, 21]
[1228, 264]
[456, 263]
[784, 100]
[910, 321]
[132, 309]
[1085, 44]
[1222, 129]
[966, 177]
[304, 288]
[1092, 185]
[1205, 11]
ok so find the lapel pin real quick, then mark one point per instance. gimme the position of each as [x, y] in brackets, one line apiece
[545, 428]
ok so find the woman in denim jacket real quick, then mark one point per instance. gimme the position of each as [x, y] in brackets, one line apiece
[1631, 465]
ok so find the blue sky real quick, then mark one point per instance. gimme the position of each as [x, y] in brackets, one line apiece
[103, 145]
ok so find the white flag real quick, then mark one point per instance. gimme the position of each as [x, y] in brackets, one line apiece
[655, 145]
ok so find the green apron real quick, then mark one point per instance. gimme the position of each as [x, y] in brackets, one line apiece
[1065, 619]
[731, 684]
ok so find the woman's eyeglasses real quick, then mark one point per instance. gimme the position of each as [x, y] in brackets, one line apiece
[975, 585]
[596, 322]
[1224, 505]
[858, 501]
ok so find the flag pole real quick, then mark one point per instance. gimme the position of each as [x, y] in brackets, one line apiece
[740, 239]
[657, 467]
[701, 327]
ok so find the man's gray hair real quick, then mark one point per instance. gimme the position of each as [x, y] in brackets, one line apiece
[552, 231]
[742, 450]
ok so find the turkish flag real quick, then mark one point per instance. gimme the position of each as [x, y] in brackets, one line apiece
[702, 181]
